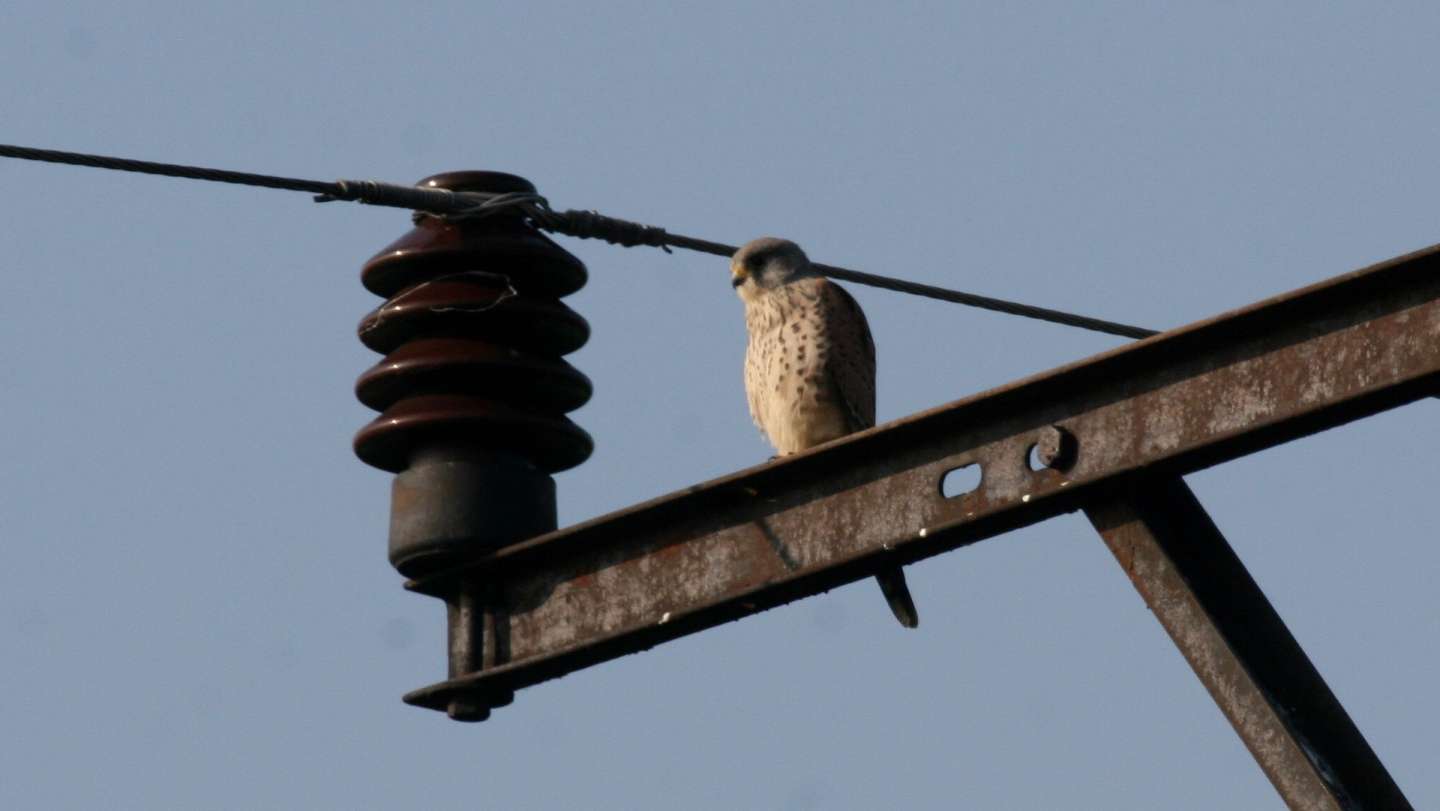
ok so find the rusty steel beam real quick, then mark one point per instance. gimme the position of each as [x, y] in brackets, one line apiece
[1181, 401]
[1240, 648]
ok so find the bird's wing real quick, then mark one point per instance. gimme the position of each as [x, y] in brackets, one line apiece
[851, 360]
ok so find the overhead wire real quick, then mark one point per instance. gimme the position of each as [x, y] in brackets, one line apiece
[462, 205]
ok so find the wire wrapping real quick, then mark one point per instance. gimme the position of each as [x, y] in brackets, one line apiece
[575, 223]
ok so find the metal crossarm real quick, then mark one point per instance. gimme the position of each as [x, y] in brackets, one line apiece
[1150, 412]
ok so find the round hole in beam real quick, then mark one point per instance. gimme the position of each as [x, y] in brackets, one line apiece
[1032, 457]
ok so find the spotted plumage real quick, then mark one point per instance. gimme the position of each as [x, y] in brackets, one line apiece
[809, 364]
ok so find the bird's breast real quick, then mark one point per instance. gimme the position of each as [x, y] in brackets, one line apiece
[786, 380]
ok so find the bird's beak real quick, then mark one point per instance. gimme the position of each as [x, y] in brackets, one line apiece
[737, 275]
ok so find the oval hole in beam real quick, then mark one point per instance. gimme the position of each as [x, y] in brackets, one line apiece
[959, 481]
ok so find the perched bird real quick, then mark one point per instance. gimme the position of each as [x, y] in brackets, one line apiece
[810, 363]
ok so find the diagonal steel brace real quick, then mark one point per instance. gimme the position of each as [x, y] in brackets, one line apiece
[1240, 648]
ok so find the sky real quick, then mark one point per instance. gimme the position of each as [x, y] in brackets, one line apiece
[196, 610]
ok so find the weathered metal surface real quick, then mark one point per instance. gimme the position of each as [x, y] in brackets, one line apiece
[1240, 648]
[1183, 400]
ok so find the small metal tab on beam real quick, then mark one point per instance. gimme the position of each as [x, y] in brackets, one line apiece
[1240, 648]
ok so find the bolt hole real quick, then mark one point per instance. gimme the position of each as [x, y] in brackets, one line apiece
[960, 480]
[1032, 457]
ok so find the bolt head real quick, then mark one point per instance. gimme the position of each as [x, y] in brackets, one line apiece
[1056, 448]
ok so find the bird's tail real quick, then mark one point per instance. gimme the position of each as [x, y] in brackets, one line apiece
[897, 594]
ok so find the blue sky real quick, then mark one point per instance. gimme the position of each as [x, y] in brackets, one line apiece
[195, 605]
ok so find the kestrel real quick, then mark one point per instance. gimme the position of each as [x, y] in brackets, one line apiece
[810, 363]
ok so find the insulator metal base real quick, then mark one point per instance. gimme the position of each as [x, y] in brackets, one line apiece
[448, 501]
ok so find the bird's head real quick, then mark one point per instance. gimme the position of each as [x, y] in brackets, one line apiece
[763, 264]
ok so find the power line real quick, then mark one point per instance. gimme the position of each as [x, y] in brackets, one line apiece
[572, 222]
